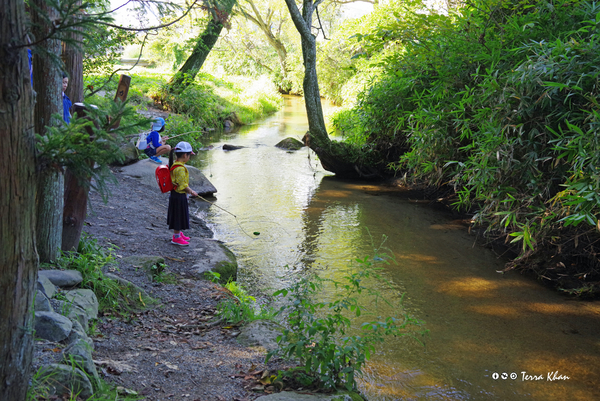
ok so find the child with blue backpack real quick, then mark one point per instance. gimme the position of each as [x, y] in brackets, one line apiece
[156, 145]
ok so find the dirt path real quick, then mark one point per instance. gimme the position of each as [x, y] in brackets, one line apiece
[156, 356]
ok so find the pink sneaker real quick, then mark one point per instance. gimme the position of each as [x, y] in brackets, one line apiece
[179, 241]
[182, 235]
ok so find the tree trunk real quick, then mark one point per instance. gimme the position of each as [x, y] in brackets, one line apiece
[204, 44]
[47, 82]
[316, 138]
[73, 59]
[75, 196]
[75, 210]
[75, 206]
[18, 259]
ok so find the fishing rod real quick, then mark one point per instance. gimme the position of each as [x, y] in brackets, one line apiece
[185, 133]
[175, 136]
[234, 216]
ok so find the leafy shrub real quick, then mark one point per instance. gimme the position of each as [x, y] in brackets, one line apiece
[90, 260]
[318, 333]
[242, 307]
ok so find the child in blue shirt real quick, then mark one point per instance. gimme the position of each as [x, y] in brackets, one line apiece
[156, 144]
[66, 101]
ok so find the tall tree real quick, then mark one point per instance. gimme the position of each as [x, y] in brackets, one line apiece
[18, 259]
[75, 194]
[316, 138]
[270, 22]
[47, 82]
[219, 13]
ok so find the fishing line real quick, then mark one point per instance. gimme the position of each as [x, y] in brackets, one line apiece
[234, 216]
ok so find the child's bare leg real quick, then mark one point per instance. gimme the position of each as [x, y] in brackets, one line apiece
[161, 150]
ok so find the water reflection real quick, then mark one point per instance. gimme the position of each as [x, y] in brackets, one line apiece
[480, 322]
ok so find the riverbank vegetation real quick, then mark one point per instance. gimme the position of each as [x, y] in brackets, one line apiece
[495, 106]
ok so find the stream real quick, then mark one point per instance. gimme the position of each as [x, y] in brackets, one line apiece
[492, 336]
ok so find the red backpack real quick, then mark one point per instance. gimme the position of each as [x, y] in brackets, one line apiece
[163, 177]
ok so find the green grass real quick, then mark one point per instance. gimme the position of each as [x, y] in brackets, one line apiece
[89, 260]
[206, 103]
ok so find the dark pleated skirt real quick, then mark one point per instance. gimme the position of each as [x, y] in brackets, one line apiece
[178, 217]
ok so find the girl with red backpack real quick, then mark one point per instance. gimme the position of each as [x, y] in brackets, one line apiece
[178, 216]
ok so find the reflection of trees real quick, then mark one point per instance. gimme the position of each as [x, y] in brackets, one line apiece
[328, 195]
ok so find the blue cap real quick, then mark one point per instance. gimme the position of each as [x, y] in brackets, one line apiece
[158, 123]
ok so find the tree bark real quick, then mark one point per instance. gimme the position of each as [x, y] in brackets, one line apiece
[18, 259]
[204, 44]
[316, 138]
[47, 82]
[74, 195]
[75, 203]
[73, 59]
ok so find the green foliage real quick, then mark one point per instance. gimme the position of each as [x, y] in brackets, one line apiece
[318, 333]
[43, 382]
[103, 46]
[91, 260]
[242, 307]
[209, 100]
[88, 145]
[498, 101]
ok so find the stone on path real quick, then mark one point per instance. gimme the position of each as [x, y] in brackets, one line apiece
[85, 299]
[42, 303]
[52, 326]
[260, 333]
[60, 379]
[45, 285]
[62, 278]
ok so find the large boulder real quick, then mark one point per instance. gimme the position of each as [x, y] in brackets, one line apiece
[145, 169]
[215, 257]
[130, 153]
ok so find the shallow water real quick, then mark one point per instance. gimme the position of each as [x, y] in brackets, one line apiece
[291, 216]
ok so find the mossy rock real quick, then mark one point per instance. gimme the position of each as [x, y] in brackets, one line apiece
[215, 257]
[152, 265]
[290, 144]
[226, 268]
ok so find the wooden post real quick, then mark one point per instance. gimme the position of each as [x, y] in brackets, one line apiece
[122, 91]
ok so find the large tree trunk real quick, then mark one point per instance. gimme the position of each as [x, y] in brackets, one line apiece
[47, 82]
[317, 138]
[76, 198]
[204, 45]
[75, 195]
[18, 259]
